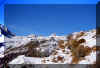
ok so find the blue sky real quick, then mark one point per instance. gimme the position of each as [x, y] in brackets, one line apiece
[3, 2]
[46, 19]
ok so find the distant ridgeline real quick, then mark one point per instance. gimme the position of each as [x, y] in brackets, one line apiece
[4, 31]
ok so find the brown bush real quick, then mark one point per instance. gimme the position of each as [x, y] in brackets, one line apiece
[44, 61]
[78, 50]
[75, 60]
[54, 53]
[59, 58]
[80, 34]
[88, 50]
[79, 53]
[61, 44]
[82, 41]
[54, 60]
[70, 36]
[73, 43]
[66, 44]
[63, 50]
[32, 52]
[94, 36]
[94, 48]
[43, 41]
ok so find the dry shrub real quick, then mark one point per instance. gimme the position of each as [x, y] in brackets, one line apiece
[43, 41]
[70, 36]
[80, 34]
[73, 43]
[63, 50]
[44, 61]
[61, 44]
[32, 52]
[54, 60]
[87, 50]
[82, 41]
[75, 60]
[57, 49]
[54, 53]
[66, 44]
[79, 53]
[94, 36]
[78, 50]
[94, 48]
[60, 58]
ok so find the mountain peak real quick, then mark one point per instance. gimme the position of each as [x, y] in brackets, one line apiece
[4, 31]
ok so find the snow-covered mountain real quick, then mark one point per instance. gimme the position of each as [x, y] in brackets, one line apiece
[77, 48]
[5, 31]
[22, 40]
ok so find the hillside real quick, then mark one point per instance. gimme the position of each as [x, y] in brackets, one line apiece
[76, 48]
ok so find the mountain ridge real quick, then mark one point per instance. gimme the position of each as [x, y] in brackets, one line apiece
[5, 31]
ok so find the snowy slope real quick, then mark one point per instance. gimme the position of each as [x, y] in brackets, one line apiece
[48, 50]
[4, 32]
[1, 44]
[51, 49]
[17, 41]
[1, 37]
